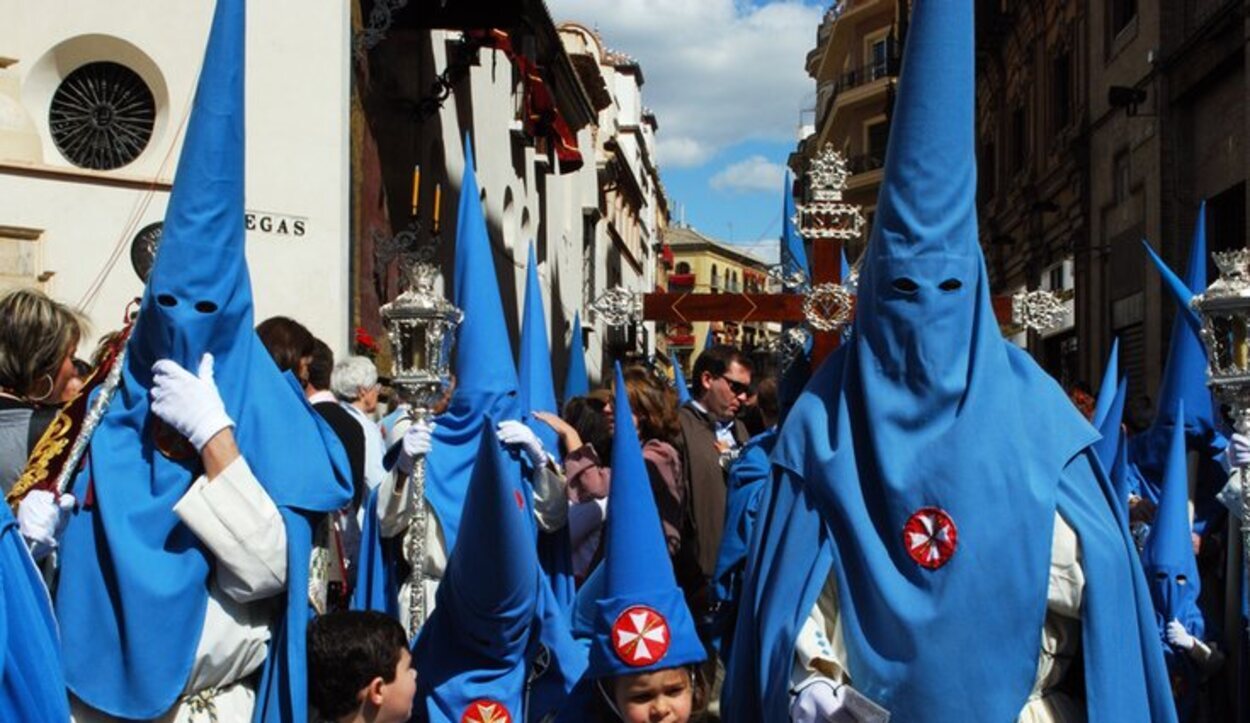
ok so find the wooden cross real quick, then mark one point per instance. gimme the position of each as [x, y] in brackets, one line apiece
[784, 307]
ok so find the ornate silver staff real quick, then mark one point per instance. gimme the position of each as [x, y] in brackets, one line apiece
[1225, 312]
[421, 326]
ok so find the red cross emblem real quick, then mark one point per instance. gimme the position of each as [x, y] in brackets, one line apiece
[640, 636]
[520, 501]
[930, 537]
[486, 711]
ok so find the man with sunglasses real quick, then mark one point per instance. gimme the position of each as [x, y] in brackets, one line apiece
[712, 436]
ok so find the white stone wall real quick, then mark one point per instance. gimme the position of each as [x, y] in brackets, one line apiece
[297, 134]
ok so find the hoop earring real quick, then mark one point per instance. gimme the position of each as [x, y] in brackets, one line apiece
[44, 397]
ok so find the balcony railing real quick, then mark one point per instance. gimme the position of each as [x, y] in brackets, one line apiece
[888, 67]
[866, 162]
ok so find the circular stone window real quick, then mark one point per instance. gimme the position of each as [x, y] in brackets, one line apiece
[102, 116]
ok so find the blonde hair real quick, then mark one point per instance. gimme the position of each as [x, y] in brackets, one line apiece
[36, 334]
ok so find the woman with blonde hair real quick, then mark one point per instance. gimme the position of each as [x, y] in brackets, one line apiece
[38, 339]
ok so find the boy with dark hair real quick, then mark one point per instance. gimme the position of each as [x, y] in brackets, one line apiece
[359, 668]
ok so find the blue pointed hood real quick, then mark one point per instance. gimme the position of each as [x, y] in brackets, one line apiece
[486, 379]
[1176, 287]
[845, 268]
[1111, 427]
[133, 576]
[1121, 475]
[642, 621]
[793, 252]
[1184, 376]
[1168, 556]
[1107, 389]
[679, 379]
[576, 380]
[879, 439]
[537, 382]
[474, 649]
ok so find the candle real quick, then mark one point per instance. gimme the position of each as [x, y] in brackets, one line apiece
[416, 188]
[438, 197]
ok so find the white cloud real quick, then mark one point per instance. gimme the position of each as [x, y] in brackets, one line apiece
[755, 174]
[766, 250]
[718, 72]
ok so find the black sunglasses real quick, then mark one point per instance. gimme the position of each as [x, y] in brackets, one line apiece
[738, 387]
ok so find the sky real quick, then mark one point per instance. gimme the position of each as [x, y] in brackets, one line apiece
[726, 81]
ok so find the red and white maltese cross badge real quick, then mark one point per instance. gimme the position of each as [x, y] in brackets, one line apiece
[640, 636]
[930, 537]
[486, 711]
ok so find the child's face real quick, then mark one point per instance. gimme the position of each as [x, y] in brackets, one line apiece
[397, 695]
[661, 696]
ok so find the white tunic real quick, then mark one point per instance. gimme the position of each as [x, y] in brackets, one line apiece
[240, 526]
[820, 648]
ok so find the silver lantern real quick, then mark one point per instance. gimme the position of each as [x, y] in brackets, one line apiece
[1225, 312]
[421, 326]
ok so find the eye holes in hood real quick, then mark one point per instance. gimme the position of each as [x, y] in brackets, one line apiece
[905, 285]
[170, 301]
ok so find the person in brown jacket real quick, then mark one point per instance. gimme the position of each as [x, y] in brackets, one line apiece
[711, 439]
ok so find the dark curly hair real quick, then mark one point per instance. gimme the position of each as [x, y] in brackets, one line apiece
[346, 650]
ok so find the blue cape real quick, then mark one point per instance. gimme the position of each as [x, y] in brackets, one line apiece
[31, 685]
[134, 580]
[910, 472]
[748, 477]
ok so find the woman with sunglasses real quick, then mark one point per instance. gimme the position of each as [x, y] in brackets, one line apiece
[589, 470]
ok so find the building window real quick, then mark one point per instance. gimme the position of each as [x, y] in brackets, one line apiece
[1061, 90]
[683, 267]
[1122, 176]
[880, 58]
[878, 139]
[715, 278]
[589, 292]
[1122, 13]
[101, 116]
[1019, 139]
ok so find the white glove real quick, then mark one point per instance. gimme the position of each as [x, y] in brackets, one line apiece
[417, 443]
[1239, 450]
[189, 403]
[1178, 637]
[819, 700]
[516, 435]
[41, 517]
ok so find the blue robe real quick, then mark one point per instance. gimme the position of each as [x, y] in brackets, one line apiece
[31, 685]
[900, 642]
